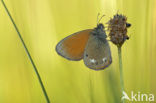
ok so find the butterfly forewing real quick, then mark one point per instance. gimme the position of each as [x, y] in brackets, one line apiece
[97, 53]
[72, 47]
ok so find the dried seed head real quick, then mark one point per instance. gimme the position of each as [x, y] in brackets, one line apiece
[117, 27]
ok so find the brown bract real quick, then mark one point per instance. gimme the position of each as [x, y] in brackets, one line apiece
[117, 27]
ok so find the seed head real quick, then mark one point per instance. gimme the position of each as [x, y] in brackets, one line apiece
[117, 27]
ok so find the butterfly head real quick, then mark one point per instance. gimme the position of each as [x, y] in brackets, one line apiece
[100, 26]
[99, 31]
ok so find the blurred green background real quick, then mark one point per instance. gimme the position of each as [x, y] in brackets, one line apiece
[43, 23]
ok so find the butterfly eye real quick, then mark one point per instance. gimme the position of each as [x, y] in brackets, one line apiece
[101, 26]
[86, 55]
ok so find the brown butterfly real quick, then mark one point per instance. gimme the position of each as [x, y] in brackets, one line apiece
[90, 45]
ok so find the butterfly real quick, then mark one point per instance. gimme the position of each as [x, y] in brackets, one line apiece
[90, 45]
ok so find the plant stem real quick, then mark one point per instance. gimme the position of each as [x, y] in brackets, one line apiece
[27, 51]
[91, 87]
[121, 71]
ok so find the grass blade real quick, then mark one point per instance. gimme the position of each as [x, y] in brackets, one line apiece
[29, 56]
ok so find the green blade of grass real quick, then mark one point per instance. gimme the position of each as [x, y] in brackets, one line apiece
[29, 56]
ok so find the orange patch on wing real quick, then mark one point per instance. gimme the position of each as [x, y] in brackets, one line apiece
[75, 44]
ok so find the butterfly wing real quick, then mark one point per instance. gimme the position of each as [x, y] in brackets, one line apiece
[97, 53]
[72, 47]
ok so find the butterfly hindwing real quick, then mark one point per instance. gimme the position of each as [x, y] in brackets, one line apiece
[97, 53]
[72, 47]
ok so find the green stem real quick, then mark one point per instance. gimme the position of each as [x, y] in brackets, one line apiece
[91, 88]
[27, 51]
[121, 71]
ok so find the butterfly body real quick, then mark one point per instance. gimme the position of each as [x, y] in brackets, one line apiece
[90, 45]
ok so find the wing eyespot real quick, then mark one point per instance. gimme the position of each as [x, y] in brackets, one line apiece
[104, 60]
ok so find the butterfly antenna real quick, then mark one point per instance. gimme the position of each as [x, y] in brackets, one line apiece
[117, 11]
[100, 19]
